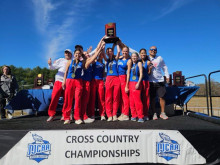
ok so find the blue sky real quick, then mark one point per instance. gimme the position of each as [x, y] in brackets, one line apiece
[186, 32]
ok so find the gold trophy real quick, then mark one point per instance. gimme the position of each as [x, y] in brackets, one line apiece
[110, 32]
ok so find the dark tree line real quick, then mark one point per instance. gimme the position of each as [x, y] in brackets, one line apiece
[25, 76]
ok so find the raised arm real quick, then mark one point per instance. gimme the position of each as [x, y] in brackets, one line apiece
[118, 52]
[104, 56]
[51, 66]
[113, 46]
[89, 50]
[97, 53]
[121, 44]
[65, 74]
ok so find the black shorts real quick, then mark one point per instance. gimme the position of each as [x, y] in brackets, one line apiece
[157, 89]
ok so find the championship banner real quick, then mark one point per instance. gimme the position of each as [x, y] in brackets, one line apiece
[102, 147]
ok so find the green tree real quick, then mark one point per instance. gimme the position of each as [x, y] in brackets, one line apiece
[25, 76]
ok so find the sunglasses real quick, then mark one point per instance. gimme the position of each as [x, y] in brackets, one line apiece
[153, 49]
[67, 52]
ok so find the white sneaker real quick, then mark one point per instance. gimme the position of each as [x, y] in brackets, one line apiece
[103, 118]
[51, 118]
[163, 116]
[120, 117]
[9, 115]
[89, 120]
[115, 118]
[110, 119]
[123, 118]
[67, 122]
[155, 116]
[62, 118]
[78, 121]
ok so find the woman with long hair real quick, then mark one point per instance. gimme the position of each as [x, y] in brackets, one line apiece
[72, 84]
[145, 83]
[87, 77]
[134, 79]
[112, 84]
[97, 88]
[122, 71]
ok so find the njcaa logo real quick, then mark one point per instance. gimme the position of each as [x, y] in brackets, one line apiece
[167, 148]
[99, 66]
[120, 63]
[112, 63]
[38, 150]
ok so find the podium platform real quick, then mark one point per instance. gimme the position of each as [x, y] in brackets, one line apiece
[202, 135]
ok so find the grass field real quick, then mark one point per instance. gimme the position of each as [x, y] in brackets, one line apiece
[199, 104]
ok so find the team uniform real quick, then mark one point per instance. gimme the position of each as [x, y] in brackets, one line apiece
[59, 64]
[74, 89]
[157, 85]
[97, 86]
[145, 90]
[122, 71]
[112, 84]
[86, 79]
[136, 105]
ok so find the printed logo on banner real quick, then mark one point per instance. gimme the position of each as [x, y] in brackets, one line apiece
[38, 150]
[167, 148]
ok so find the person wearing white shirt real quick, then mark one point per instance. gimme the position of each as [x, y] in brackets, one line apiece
[59, 64]
[157, 84]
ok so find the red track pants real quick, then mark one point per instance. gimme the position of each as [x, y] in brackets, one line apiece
[97, 86]
[56, 93]
[112, 95]
[85, 99]
[136, 105]
[125, 97]
[145, 97]
[73, 87]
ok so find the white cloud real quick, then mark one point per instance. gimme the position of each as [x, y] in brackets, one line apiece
[42, 10]
[174, 5]
[57, 23]
[60, 38]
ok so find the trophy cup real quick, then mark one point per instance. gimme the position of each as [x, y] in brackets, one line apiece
[38, 81]
[178, 79]
[110, 32]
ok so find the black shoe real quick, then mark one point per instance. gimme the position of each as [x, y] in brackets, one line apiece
[3, 117]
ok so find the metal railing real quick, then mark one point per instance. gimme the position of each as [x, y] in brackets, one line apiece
[210, 90]
[206, 87]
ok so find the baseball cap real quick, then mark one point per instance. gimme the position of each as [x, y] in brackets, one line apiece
[68, 50]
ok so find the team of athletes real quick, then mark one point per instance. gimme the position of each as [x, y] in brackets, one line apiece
[131, 84]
